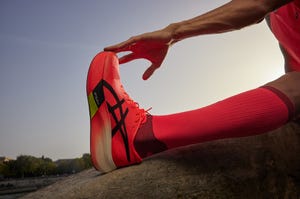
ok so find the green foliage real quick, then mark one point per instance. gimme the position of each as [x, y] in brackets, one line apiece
[4, 169]
[87, 160]
[29, 166]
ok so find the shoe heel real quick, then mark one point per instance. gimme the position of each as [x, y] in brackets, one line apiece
[101, 141]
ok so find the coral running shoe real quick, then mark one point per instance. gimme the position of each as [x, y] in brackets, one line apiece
[114, 116]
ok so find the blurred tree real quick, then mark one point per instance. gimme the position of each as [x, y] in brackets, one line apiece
[30, 166]
[27, 166]
[4, 169]
[87, 160]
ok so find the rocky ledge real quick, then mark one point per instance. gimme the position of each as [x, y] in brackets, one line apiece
[265, 166]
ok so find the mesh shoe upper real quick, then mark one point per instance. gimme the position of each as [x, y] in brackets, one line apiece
[119, 115]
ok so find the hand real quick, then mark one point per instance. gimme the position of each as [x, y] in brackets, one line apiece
[152, 46]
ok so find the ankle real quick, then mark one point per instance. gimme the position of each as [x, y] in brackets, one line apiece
[145, 142]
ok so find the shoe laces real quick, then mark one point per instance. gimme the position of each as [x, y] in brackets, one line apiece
[141, 113]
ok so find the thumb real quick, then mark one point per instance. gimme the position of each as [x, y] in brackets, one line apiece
[150, 71]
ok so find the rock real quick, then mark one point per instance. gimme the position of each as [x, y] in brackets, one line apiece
[264, 166]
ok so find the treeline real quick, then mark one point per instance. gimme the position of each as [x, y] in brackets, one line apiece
[30, 166]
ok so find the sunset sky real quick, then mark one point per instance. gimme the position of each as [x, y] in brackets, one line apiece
[46, 47]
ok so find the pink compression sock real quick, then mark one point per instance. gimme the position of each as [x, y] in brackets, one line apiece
[250, 113]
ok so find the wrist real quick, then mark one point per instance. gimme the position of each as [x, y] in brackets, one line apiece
[173, 30]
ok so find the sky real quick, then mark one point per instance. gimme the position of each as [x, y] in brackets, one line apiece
[46, 47]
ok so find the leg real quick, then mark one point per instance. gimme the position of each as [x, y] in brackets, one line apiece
[250, 113]
[122, 133]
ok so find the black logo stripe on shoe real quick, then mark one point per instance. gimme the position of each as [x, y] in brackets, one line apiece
[99, 97]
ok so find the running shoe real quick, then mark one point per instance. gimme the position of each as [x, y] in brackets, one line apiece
[114, 117]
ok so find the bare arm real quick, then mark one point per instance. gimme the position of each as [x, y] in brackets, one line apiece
[234, 15]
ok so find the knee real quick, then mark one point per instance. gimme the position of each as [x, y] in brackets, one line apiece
[289, 84]
[293, 77]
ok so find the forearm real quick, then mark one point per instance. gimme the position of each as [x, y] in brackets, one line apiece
[232, 16]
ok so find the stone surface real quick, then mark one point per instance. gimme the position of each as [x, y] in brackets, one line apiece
[265, 166]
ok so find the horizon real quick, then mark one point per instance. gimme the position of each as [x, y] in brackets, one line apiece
[15, 158]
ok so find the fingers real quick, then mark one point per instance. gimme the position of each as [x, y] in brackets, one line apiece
[127, 58]
[121, 47]
[117, 48]
[148, 73]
